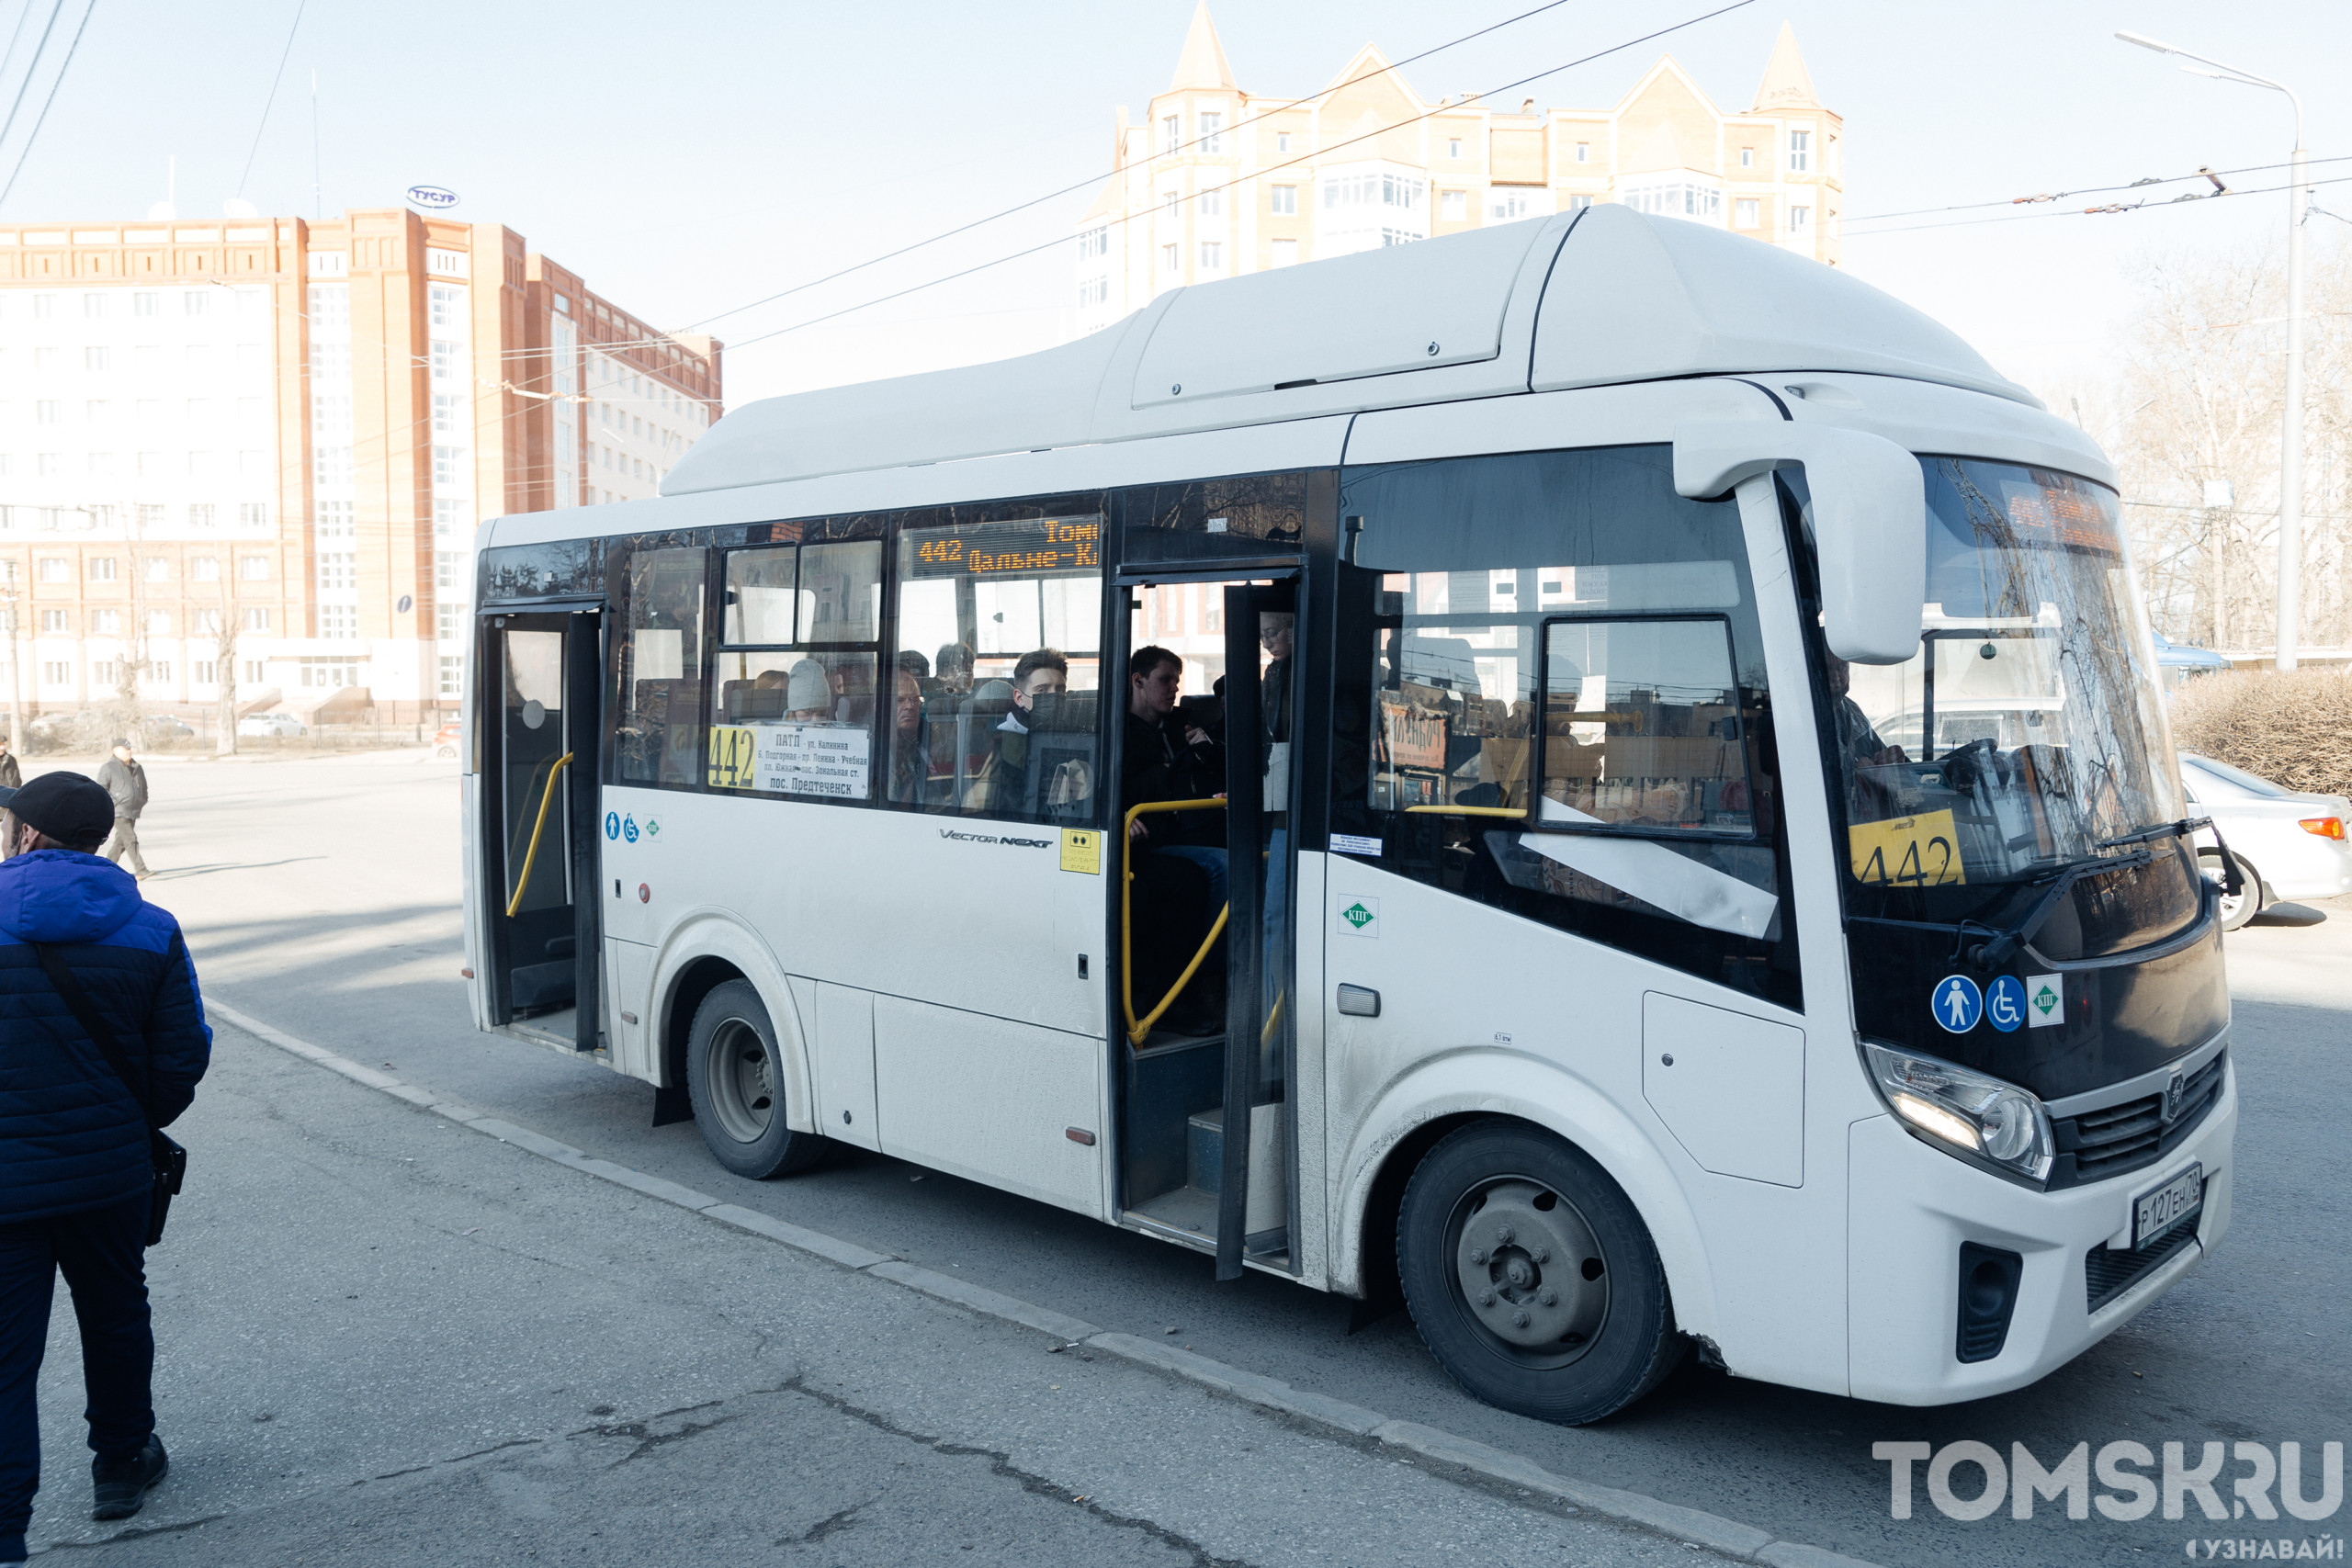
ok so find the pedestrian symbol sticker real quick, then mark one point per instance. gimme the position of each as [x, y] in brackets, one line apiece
[1957, 1003]
[2045, 1000]
[1359, 917]
[611, 824]
[628, 829]
[2005, 1003]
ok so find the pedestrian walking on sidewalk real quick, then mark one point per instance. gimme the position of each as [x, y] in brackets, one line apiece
[102, 1040]
[126, 781]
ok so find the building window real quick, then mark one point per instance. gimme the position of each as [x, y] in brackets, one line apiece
[444, 356]
[94, 409]
[1679, 199]
[1453, 147]
[338, 572]
[449, 517]
[1584, 151]
[47, 411]
[447, 566]
[253, 569]
[54, 623]
[1800, 223]
[105, 671]
[1506, 206]
[53, 569]
[195, 302]
[1281, 141]
[441, 306]
[159, 569]
[204, 621]
[1212, 256]
[448, 467]
[44, 307]
[1743, 212]
[106, 623]
[1094, 291]
[253, 514]
[49, 464]
[202, 670]
[102, 569]
[200, 514]
[56, 672]
[1171, 258]
[1799, 151]
[1285, 201]
[448, 621]
[94, 359]
[1453, 206]
[338, 621]
[159, 671]
[453, 676]
[255, 671]
[1212, 203]
[1748, 157]
[445, 413]
[146, 304]
[1211, 134]
[156, 623]
[204, 568]
[1095, 242]
[1172, 132]
[101, 465]
[1171, 203]
[257, 619]
[1285, 252]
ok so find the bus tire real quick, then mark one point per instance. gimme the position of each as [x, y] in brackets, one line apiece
[1531, 1278]
[2235, 912]
[735, 1081]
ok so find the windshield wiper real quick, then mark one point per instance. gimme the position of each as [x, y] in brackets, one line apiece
[2006, 939]
[2179, 829]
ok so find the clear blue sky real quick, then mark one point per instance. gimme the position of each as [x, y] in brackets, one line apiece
[687, 159]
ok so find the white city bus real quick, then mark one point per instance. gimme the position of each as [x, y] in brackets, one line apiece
[1720, 880]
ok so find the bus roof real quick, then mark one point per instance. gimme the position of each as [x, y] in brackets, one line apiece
[1594, 298]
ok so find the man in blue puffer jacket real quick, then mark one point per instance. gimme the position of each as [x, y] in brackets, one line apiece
[77, 1173]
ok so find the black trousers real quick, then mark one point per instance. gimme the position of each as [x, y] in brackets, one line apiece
[103, 1253]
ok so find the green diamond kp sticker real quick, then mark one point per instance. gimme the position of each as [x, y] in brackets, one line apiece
[2045, 1000]
[1360, 917]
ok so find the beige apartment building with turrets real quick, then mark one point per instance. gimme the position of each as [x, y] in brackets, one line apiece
[267, 442]
[1216, 181]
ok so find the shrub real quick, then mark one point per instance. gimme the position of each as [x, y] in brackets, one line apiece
[2295, 728]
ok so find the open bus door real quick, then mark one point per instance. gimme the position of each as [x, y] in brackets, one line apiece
[540, 708]
[1208, 1144]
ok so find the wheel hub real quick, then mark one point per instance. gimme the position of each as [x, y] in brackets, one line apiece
[1531, 1267]
[740, 1091]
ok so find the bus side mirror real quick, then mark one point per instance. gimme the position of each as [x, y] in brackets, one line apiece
[1869, 521]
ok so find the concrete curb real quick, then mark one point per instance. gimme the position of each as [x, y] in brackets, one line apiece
[1693, 1525]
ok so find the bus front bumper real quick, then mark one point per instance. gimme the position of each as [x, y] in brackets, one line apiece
[1911, 1207]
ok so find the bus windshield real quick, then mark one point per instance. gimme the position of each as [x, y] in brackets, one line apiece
[2026, 733]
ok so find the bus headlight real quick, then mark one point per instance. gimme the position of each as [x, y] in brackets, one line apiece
[1965, 1110]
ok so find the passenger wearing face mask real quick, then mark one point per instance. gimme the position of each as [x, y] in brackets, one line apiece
[1042, 676]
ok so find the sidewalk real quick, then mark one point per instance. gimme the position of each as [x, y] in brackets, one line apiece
[384, 1338]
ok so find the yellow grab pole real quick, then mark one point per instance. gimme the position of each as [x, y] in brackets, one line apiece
[523, 884]
[1138, 1032]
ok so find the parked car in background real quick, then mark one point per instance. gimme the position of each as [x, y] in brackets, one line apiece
[2288, 844]
[163, 729]
[271, 726]
[444, 740]
[66, 732]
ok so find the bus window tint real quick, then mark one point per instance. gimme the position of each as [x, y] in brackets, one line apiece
[1550, 697]
[1642, 728]
[658, 662]
[996, 679]
[795, 699]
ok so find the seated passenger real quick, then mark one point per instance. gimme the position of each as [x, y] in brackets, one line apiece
[808, 693]
[909, 758]
[1000, 782]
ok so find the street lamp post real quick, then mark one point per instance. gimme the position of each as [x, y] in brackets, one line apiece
[2290, 436]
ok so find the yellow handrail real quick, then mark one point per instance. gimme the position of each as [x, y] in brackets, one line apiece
[523, 884]
[1139, 1032]
[1517, 811]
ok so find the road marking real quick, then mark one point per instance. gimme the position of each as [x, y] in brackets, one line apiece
[1692, 1524]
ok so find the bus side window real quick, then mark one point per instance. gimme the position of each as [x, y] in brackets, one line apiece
[793, 700]
[659, 665]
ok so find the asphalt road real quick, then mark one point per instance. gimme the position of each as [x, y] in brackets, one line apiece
[320, 897]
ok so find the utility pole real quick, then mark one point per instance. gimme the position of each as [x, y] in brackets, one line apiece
[15, 667]
[2290, 435]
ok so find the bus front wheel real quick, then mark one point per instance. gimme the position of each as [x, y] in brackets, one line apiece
[1531, 1278]
[735, 1079]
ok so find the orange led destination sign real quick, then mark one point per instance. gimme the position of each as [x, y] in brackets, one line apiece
[1034, 547]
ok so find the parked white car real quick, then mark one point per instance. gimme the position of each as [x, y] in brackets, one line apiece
[271, 726]
[2287, 844]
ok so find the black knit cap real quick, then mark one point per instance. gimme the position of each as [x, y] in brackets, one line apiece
[74, 811]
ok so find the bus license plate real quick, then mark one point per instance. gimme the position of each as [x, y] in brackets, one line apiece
[2153, 1213]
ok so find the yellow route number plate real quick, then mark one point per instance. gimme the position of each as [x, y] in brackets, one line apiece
[730, 757]
[1922, 850]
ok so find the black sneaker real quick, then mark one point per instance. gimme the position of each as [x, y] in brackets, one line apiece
[119, 1487]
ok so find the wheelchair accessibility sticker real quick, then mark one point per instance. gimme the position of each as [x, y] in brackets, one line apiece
[2005, 1003]
[628, 829]
[1958, 1004]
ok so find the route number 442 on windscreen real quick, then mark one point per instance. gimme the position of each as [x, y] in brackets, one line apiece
[1917, 850]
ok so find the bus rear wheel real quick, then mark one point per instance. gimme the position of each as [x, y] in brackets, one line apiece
[735, 1079]
[1531, 1278]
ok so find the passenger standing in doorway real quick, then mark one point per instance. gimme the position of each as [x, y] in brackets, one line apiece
[126, 781]
[1175, 852]
[77, 1175]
